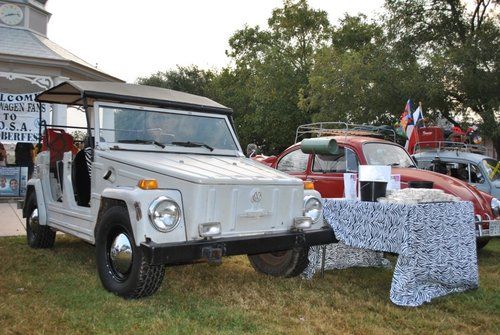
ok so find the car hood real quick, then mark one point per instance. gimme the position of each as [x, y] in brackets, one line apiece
[448, 184]
[203, 169]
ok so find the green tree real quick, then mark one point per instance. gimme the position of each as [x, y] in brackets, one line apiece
[188, 79]
[276, 63]
[233, 88]
[79, 135]
[459, 46]
[300, 69]
[357, 79]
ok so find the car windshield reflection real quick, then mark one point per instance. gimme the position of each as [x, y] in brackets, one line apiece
[165, 129]
[386, 154]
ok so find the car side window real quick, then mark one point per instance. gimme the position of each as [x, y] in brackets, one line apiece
[476, 176]
[426, 165]
[459, 171]
[345, 160]
[440, 167]
[295, 161]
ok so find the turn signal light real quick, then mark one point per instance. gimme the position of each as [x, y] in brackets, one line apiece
[209, 229]
[148, 184]
[308, 185]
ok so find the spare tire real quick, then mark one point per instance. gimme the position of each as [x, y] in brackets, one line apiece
[287, 263]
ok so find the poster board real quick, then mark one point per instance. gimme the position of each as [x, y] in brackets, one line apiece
[374, 173]
[13, 181]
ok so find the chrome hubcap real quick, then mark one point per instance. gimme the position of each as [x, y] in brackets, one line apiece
[34, 219]
[121, 254]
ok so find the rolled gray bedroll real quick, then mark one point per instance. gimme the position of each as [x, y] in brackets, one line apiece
[323, 146]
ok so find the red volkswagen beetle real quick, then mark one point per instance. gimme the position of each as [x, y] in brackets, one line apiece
[326, 171]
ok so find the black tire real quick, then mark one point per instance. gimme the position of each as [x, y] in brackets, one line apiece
[481, 243]
[140, 279]
[38, 236]
[289, 263]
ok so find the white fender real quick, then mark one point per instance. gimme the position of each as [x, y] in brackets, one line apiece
[138, 201]
[40, 201]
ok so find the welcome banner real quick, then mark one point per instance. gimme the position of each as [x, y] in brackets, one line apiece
[20, 117]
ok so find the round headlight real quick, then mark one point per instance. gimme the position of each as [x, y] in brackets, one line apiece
[313, 208]
[164, 214]
[495, 206]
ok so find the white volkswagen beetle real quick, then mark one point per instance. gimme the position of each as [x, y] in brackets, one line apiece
[164, 182]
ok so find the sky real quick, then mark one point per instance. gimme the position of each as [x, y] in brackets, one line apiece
[131, 39]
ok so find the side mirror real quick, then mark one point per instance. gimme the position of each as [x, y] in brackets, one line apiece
[321, 145]
[252, 149]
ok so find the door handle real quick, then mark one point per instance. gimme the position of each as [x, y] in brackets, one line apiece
[107, 175]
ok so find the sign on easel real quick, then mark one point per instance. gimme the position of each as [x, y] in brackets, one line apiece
[350, 184]
[394, 182]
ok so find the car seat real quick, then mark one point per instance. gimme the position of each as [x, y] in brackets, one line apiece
[81, 179]
[440, 168]
[57, 141]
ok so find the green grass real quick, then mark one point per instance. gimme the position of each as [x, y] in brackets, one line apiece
[57, 291]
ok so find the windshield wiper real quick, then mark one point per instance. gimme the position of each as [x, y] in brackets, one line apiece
[193, 145]
[139, 141]
[397, 164]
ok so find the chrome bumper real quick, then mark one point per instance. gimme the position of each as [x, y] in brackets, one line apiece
[487, 228]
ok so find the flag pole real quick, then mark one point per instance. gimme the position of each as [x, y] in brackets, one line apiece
[422, 112]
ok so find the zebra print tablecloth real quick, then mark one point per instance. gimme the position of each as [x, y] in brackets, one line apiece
[342, 256]
[436, 243]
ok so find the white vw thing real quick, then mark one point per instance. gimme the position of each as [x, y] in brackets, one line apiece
[163, 181]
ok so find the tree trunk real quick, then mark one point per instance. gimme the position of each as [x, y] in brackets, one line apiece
[496, 145]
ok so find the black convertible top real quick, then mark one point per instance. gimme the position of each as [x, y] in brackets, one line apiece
[86, 92]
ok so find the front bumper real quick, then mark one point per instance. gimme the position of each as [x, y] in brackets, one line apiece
[488, 228]
[193, 251]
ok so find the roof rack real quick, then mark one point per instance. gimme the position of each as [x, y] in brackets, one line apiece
[319, 129]
[449, 145]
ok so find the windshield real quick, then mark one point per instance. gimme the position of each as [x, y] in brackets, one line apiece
[186, 129]
[386, 154]
[492, 168]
